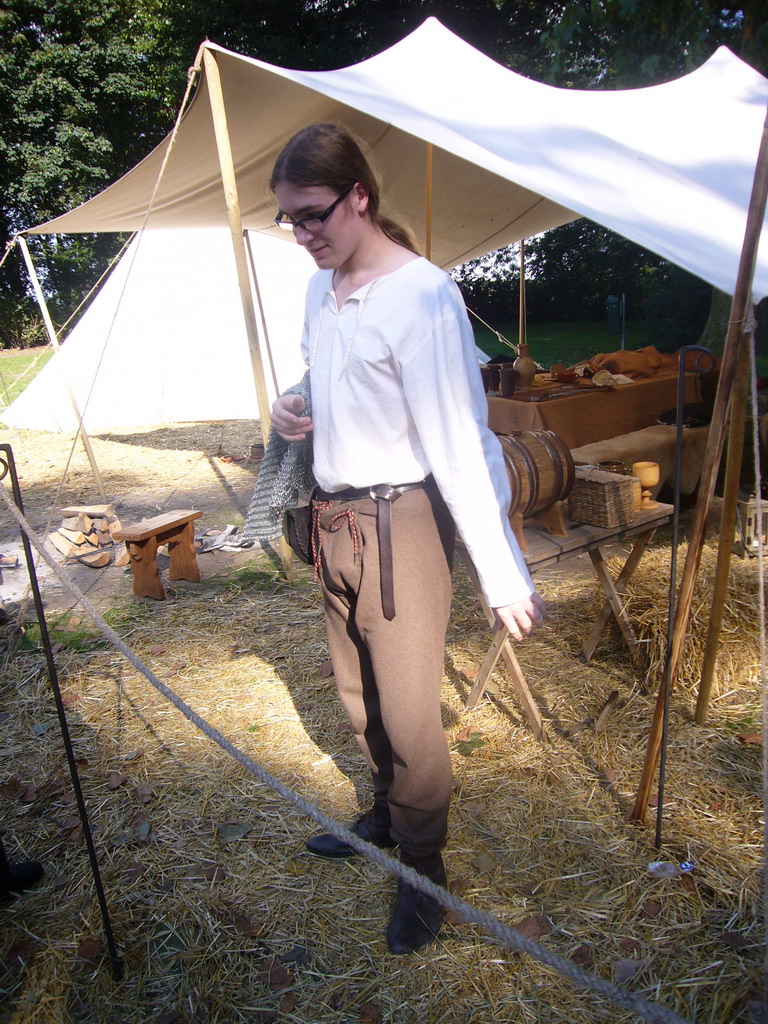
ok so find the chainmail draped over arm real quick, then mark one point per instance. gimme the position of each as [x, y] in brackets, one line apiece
[285, 478]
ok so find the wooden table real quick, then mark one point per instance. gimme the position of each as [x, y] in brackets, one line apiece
[585, 414]
[544, 550]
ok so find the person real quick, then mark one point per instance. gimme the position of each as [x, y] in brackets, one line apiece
[402, 456]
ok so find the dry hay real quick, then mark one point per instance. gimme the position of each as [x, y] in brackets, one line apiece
[220, 914]
[738, 658]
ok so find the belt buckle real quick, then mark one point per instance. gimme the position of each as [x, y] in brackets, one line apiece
[387, 492]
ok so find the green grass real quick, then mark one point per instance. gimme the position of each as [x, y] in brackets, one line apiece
[17, 368]
[561, 343]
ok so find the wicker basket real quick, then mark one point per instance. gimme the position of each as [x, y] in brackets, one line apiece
[601, 499]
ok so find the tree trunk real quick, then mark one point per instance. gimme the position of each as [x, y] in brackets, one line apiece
[713, 335]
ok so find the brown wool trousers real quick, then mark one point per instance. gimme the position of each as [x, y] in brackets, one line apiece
[389, 673]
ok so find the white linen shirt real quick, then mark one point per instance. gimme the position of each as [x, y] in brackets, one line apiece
[397, 395]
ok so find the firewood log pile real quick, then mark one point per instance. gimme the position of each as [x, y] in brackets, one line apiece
[86, 535]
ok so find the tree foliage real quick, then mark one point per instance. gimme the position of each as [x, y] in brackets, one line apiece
[88, 87]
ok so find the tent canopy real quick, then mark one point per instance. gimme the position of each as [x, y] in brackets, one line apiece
[669, 167]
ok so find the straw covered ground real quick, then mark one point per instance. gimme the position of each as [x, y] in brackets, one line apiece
[218, 912]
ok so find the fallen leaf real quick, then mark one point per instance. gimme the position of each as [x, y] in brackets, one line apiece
[214, 873]
[650, 908]
[583, 956]
[296, 955]
[609, 774]
[338, 998]
[69, 699]
[142, 831]
[11, 788]
[466, 747]
[229, 831]
[687, 882]
[134, 754]
[370, 1013]
[158, 649]
[145, 792]
[72, 821]
[475, 808]
[484, 862]
[533, 927]
[115, 780]
[41, 728]
[275, 975]
[623, 970]
[135, 871]
[91, 950]
[734, 939]
[749, 738]
[717, 805]
[467, 733]
[23, 950]
[246, 926]
[60, 881]
[167, 1017]
[326, 669]
[458, 886]
[28, 793]
[288, 1002]
[629, 945]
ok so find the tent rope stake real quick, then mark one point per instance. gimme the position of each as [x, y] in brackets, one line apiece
[654, 1013]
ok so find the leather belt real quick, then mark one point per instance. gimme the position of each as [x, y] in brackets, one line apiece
[383, 495]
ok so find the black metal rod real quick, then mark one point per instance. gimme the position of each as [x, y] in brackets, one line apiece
[7, 465]
[667, 677]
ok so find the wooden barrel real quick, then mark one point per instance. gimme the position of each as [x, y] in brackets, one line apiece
[540, 469]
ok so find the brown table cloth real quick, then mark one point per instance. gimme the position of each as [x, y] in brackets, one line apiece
[589, 414]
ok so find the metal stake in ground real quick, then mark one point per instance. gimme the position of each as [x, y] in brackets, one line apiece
[7, 465]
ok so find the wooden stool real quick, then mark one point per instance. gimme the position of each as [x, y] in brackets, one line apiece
[142, 541]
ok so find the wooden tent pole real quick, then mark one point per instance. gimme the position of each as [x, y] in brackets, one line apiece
[730, 361]
[727, 530]
[55, 343]
[521, 327]
[428, 194]
[229, 182]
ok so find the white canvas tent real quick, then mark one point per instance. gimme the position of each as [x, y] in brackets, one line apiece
[171, 306]
[474, 156]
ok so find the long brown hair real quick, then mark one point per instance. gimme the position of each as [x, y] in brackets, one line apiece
[329, 155]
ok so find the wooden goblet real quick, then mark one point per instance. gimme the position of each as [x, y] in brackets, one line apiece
[648, 475]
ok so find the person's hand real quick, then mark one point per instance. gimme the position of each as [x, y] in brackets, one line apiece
[287, 419]
[521, 617]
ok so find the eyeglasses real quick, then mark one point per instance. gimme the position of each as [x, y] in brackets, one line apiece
[316, 221]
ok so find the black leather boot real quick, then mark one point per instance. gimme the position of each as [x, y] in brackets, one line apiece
[18, 877]
[416, 918]
[373, 827]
